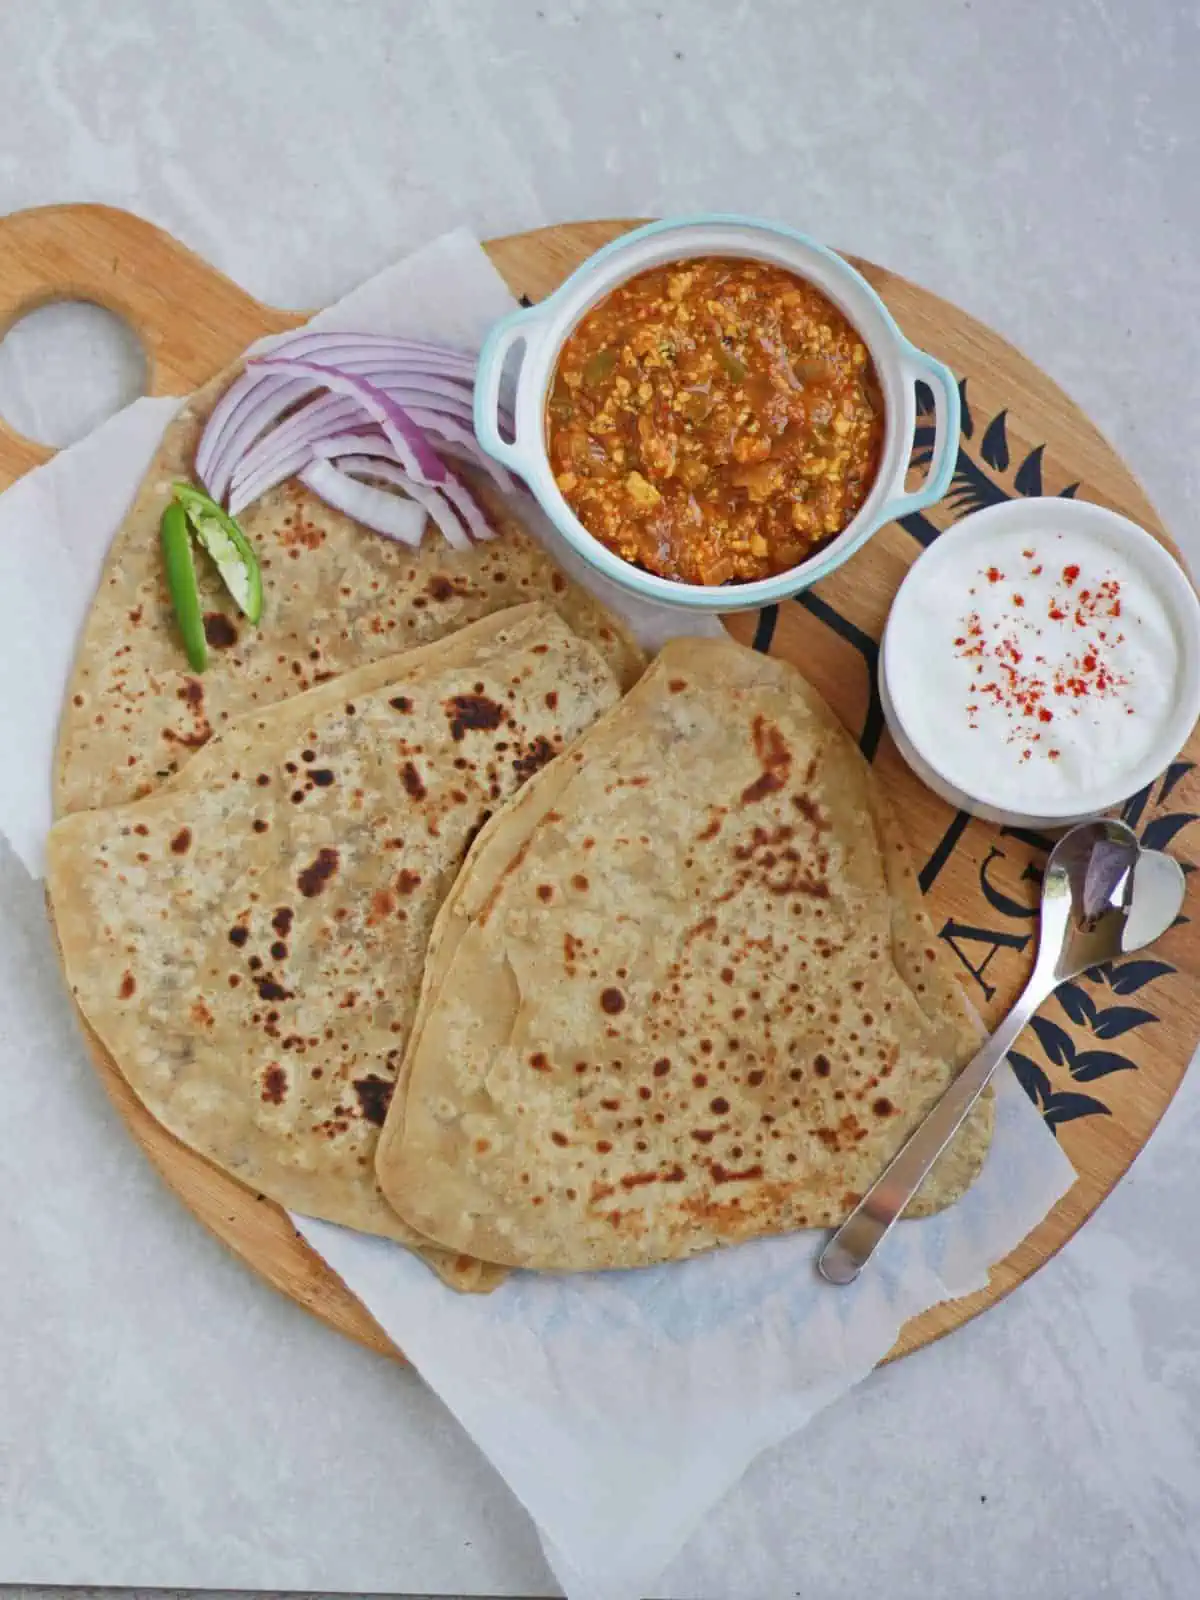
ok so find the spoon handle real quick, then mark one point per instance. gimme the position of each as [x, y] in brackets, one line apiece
[854, 1243]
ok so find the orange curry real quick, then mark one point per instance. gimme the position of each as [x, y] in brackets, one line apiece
[715, 420]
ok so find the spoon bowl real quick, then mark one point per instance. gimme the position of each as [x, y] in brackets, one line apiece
[1086, 890]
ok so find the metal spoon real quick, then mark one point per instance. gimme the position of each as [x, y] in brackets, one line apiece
[1102, 896]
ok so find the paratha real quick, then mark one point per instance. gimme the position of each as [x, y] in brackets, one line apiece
[249, 942]
[337, 597]
[684, 992]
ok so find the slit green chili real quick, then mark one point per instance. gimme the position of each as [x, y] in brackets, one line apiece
[181, 581]
[231, 551]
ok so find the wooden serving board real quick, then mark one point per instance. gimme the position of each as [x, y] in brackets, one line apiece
[1105, 1056]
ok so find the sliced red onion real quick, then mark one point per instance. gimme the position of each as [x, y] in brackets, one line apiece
[421, 461]
[341, 349]
[318, 419]
[258, 405]
[321, 416]
[332, 407]
[444, 427]
[214, 428]
[386, 513]
[433, 501]
[461, 498]
[360, 445]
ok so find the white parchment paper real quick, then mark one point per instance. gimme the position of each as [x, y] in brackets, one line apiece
[619, 1406]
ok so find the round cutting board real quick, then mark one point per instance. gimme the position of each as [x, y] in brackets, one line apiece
[1105, 1056]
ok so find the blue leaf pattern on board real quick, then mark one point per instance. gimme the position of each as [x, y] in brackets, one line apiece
[993, 447]
[1092, 1064]
[1029, 474]
[1056, 1107]
[1174, 773]
[1053, 1040]
[1111, 1024]
[1031, 1078]
[1076, 1002]
[1157, 835]
[967, 423]
[1134, 975]
[1067, 1107]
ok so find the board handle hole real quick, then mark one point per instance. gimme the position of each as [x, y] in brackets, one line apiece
[65, 367]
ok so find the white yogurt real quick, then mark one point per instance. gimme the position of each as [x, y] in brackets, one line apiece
[1041, 658]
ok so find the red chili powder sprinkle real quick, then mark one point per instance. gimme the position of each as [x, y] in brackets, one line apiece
[1016, 688]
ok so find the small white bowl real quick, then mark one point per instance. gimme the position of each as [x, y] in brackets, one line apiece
[541, 331]
[913, 625]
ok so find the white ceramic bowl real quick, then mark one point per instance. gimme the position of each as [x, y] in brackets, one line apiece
[912, 624]
[542, 330]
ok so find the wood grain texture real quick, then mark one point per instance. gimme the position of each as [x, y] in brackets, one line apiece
[1103, 1061]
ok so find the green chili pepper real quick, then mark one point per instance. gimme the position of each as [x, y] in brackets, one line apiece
[181, 581]
[228, 546]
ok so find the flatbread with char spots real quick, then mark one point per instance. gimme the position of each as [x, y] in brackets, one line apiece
[248, 943]
[684, 992]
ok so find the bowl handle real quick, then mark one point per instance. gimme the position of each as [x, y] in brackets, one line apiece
[510, 330]
[947, 409]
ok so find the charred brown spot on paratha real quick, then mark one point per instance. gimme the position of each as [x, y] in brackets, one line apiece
[533, 758]
[182, 842]
[772, 750]
[612, 1001]
[274, 1084]
[374, 1096]
[319, 871]
[414, 784]
[441, 588]
[190, 741]
[472, 712]
[722, 1174]
[128, 986]
[219, 630]
[811, 812]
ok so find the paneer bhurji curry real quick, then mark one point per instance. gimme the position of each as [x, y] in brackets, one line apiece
[715, 420]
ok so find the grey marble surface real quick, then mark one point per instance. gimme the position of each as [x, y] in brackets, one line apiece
[1037, 163]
